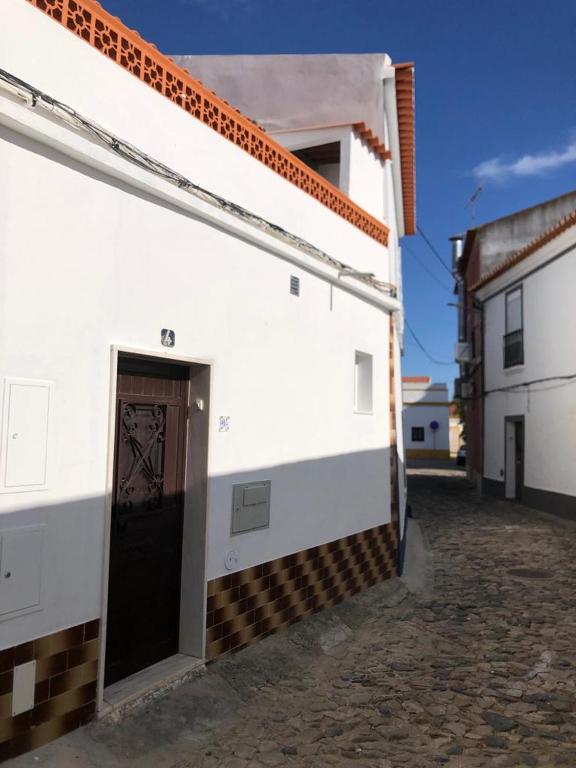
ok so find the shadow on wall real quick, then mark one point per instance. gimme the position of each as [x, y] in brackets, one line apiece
[329, 536]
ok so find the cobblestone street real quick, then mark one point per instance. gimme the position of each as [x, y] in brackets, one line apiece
[478, 671]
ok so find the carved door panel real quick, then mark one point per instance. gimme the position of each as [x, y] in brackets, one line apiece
[146, 534]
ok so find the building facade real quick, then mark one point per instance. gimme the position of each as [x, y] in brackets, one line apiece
[200, 434]
[426, 418]
[518, 373]
[456, 429]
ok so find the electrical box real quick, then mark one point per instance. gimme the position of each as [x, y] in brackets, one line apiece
[24, 448]
[23, 687]
[20, 571]
[250, 506]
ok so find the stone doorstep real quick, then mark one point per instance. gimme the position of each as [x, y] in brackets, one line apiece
[328, 630]
[139, 689]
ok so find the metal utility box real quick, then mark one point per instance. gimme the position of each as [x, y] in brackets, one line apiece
[20, 571]
[250, 506]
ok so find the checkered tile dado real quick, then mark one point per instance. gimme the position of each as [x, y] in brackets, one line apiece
[65, 692]
[248, 605]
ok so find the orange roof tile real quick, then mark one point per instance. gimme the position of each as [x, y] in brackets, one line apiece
[527, 250]
[89, 21]
[372, 141]
[405, 107]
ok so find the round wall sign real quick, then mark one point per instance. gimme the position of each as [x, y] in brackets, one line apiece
[434, 425]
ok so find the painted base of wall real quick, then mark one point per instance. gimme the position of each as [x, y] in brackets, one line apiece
[65, 691]
[254, 603]
[493, 488]
[560, 504]
[427, 453]
[241, 608]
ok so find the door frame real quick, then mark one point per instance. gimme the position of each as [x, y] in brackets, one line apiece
[518, 482]
[192, 633]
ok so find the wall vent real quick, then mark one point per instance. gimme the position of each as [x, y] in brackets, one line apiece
[294, 285]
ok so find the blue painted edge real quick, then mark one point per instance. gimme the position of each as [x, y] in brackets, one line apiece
[402, 544]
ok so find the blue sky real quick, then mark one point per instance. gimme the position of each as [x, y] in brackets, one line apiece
[495, 106]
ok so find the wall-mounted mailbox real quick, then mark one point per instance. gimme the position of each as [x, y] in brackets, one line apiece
[250, 506]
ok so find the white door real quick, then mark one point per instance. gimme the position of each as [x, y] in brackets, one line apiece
[510, 469]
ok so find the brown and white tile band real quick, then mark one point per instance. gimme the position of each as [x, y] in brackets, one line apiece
[251, 604]
[64, 691]
[241, 608]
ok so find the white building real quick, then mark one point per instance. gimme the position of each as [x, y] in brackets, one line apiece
[529, 361]
[200, 365]
[426, 411]
[456, 428]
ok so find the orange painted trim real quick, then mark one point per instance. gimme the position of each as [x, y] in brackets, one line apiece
[365, 134]
[405, 107]
[89, 21]
[372, 141]
[564, 224]
[416, 379]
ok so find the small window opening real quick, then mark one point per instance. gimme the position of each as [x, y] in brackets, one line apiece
[363, 382]
[294, 285]
[514, 336]
[417, 434]
[324, 159]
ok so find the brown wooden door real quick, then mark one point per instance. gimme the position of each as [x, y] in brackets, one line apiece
[147, 512]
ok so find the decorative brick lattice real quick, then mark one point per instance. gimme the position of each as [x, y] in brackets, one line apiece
[251, 604]
[88, 20]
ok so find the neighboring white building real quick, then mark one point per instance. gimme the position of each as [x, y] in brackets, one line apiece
[425, 418]
[200, 364]
[456, 428]
[529, 364]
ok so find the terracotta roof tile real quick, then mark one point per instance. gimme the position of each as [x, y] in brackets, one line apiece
[534, 245]
[405, 107]
[88, 20]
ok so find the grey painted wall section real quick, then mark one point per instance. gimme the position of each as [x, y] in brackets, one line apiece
[340, 88]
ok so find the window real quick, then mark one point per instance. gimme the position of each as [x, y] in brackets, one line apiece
[417, 434]
[363, 382]
[514, 336]
[324, 159]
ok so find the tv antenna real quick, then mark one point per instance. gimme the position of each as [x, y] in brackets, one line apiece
[472, 202]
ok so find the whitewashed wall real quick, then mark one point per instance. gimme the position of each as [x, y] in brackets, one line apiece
[422, 416]
[87, 262]
[367, 178]
[549, 332]
[63, 65]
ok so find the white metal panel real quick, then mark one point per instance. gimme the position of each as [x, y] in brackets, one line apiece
[250, 507]
[20, 570]
[23, 688]
[25, 434]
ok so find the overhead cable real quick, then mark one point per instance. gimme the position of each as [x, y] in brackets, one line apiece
[137, 157]
[423, 348]
[433, 249]
[426, 268]
[523, 387]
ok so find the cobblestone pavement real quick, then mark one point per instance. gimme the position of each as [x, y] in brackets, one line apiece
[478, 671]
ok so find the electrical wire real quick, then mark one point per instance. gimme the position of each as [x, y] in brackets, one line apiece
[423, 348]
[427, 269]
[434, 251]
[523, 387]
[137, 157]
